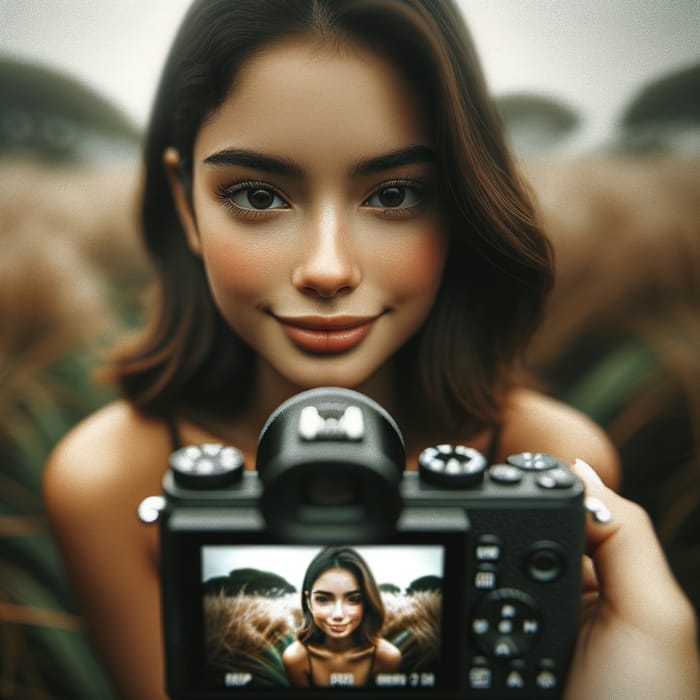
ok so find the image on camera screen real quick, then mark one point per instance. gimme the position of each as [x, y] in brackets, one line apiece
[278, 617]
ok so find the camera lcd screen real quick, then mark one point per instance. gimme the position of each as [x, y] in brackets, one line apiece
[288, 617]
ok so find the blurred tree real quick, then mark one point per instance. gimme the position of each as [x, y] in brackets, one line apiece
[51, 116]
[664, 116]
[536, 124]
[249, 582]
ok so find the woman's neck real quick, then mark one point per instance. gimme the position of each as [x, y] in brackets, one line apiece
[348, 647]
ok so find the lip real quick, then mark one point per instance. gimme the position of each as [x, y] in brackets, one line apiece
[327, 334]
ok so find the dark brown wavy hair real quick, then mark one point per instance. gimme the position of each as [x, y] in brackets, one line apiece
[373, 608]
[454, 371]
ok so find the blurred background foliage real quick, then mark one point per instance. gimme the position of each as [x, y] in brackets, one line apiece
[620, 340]
[71, 271]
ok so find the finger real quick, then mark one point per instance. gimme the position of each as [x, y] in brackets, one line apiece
[589, 580]
[633, 575]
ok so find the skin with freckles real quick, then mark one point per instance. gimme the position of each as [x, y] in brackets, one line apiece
[314, 210]
[307, 232]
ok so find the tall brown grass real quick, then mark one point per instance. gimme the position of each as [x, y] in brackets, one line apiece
[250, 632]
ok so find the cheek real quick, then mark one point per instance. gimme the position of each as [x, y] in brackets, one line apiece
[356, 613]
[318, 612]
[239, 266]
[414, 268]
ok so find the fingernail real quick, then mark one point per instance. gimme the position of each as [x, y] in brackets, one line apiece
[600, 512]
[586, 472]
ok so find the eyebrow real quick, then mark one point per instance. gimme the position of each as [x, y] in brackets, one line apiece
[411, 155]
[345, 593]
[253, 159]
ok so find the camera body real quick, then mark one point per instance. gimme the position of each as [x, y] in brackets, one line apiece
[493, 553]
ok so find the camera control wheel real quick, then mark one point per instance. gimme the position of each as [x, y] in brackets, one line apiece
[505, 623]
[207, 466]
[455, 466]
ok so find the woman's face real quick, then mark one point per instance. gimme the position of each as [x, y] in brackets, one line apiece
[336, 603]
[314, 212]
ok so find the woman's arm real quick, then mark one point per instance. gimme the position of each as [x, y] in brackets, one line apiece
[93, 483]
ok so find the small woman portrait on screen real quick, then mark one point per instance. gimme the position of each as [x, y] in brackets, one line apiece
[339, 642]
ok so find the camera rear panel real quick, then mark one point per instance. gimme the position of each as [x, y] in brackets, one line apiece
[510, 583]
[523, 579]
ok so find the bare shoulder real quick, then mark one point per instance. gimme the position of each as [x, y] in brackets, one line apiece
[388, 656]
[94, 481]
[538, 423]
[113, 452]
[295, 664]
[294, 653]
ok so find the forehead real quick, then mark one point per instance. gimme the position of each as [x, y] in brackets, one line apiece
[336, 579]
[301, 97]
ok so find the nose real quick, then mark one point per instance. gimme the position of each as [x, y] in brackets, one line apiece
[327, 267]
[338, 612]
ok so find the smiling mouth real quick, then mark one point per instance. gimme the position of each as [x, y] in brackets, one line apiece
[327, 334]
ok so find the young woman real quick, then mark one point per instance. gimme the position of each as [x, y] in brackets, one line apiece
[328, 200]
[339, 642]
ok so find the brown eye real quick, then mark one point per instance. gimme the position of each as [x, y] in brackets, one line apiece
[260, 198]
[252, 197]
[392, 196]
[396, 196]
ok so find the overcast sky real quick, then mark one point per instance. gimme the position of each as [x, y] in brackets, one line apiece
[593, 54]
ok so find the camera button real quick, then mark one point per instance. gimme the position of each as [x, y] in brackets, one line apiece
[533, 461]
[480, 676]
[488, 551]
[486, 578]
[515, 679]
[558, 478]
[545, 562]
[505, 648]
[505, 627]
[150, 509]
[480, 625]
[505, 474]
[546, 679]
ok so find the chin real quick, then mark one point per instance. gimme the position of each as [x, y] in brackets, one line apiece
[292, 372]
[342, 375]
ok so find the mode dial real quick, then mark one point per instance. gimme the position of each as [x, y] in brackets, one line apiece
[453, 466]
[206, 466]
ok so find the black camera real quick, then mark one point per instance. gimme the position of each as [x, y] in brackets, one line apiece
[477, 565]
